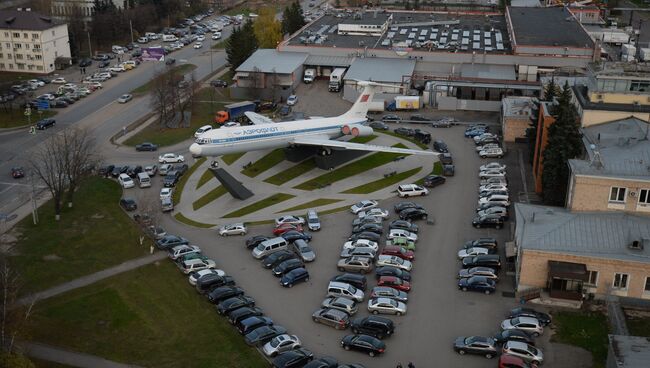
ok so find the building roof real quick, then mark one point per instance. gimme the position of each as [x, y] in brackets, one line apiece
[526, 3]
[272, 61]
[630, 351]
[517, 107]
[380, 69]
[25, 20]
[487, 71]
[326, 60]
[589, 234]
[616, 149]
[581, 94]
[547, 27]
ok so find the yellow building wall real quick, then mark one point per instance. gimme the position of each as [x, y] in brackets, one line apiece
[593, 117]
[619, 98]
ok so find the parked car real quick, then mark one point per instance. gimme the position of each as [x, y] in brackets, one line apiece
[324, 362]
[404, 225]
[294, 276]
[487, 272]
[194, 276]
[280, 344]
[530, 325]
[386, 306]
[219, 83]
[45, 123]
[151, 170]
[293, 235]
[394, 282]
[354, 279]
[223, 293]
[389, 292]
[524, 351]
[471, 252]
[238, 315]
[491, 220]
[391, 118]
[407, 132]
[394, 261]
[181, 250]
[488, 260]
[292, 100]
[286, 266]
[263, 334]
[393, 271]
[170, 241]
[493, 166]
[128, 204]
[346, 305]
[283, 228]
[293, 359]
[355, 264]
[375, 212]
[171, 179]
[432, 181]
[411, 190]
[363, 205]
[503, 336]
[477, 283]
[332, 317]
[379, 125]
[170, 158]
[313, 222]
[236, 302]
[376, 326]
[544, 318]
[367, 235]
[276, 258]
[411, 214]
[304, 251]
[401, 206]
[233, 229]
[364, 343]
[491, 152]
[398, 251]
[480, 345]
[440, 146]
[255, 240]
[372, 227]
[511, 361]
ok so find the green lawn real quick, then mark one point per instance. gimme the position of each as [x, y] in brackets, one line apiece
[268, 161]
[202, 113]
[230, 158]
[335, 210]
[178, 191]
[45, 364]
[205, 177]
[266, 202]
[637, 324]
[351, 169]
[93, 235]
[16, 117]
[364, 139]
[209, 197]
[180, 217]
[149, 316]
[410, 139]
[311, 204]
[220, 45]
[292, 172]
[17, 77]
[179, 70]
[376, 185]
[437, 170]
[587, 330]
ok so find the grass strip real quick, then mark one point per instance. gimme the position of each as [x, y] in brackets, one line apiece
[410, 139]
[178, 70]
[311, 204]
[16, 117]
[268, 161]
[587, 330]
[382, 183]
[205, 177]
[209, 197]
[335, 210]
[180, 217]
[232, 157]
[292, 172]
[266, 202]
[351, 169]
[437, 170]
[364, 139]
[637, 324]
[178, 191]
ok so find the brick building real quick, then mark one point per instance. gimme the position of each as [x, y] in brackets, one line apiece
[544, 121]
[516, 114]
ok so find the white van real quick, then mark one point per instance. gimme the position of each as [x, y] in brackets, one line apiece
[169, 38]
[144, 181]
[117, 49]
[270, 246]
[345, 290]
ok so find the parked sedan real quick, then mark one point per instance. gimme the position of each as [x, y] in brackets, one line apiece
[399, 233]
[471, 252]
[376, 212]
[394, 282]
[404, 131]
[491, 152]
[477, 283]
[128, 204]
[358, 252]
[276, 258]
[356, 280]
[544, 318]
[364, 343]
[296, 220]
[413, 214]
[489, 243]
[263, 334]
[494, 220]
[389, 292]
[532, 326]
[386, 306]
[526, 352]
[332, 317]
[224, 292]
[233, 303]
[355, 264]
[361, 243]
[305, 251]
[255, 241]
[293, 359]
[480, 345]
[293, 235]
[498, 211]
[375, 228]
[367, 235]
[196, 275]
[346, 305]
[294, 276]
[170, 241]
[401, 206]
[241, 314]
[432, 181]
[399, 251]
[502, 337]
[391, 118]
[363, 206]
[392, 271]
[170, 158]
[233, 229]
[280, 344]
[490, 273]
[286, 266]
[493, 165]
[394, 261]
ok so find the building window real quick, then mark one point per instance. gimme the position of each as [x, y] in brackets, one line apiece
[8, 45]
[52, 32]
[30, 67]
[617, 194]
[16, 35]
[647, 285]
[11, 66]
[592, 280]
[54, 43]
[35, 36]
[25, 35]
[6, 34]
[644, 196]
[18, 46]
[39, 67]
[19, 56]
[38, 57]
[620, 281]
[21, 66]
[1, 55]
[8, 56]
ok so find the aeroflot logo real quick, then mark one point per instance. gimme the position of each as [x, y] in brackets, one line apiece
[364, 98]
[256, 131]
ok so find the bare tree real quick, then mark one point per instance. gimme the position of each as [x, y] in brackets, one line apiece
[14, 316]
[187, 96]
[48, 163]
[257, 79]
[80, 157]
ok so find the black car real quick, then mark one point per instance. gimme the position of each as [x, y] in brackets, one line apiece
[391, 117]
[265, 106]
[170, 241]
[170, 61]
[434, 180]
[294, 276]
[286, 266]
[294, 358]
[255, 241]
[17, 172]
[128, 204]
[405, 132]
[209, 282]
[364, 343]
[485, 260]
[58, 103]
[323, 362]
[276, 258]
[181, 169]
[404, 225]
[477, 283]
[354, 279]
[249, 324]
[440, 146]
[376, 326]
[489, 243]
[378, 125]
[219, 83]
[171, 179]
[448, 170]
[233, 303]
[104, 64]
[224, 292]
[392, 271]
[480, 345]
[372, 227]
[368, 235]
[263, 334]
[422, 136]
[105, 170]
[134, 170]
[411, 214]
[85, 62]
[293, 235]
[285, 110]
[45, 123]
[513, 335]
[445, 158]
[146, 146]
[241, 314]
[401, 206]
[136, 53]
[419, 117]
[544, 318]
[495, 221]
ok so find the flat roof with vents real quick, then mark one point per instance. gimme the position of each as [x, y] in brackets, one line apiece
[546, 27]
[25, 20]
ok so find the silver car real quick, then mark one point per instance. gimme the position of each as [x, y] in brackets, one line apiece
[386, 306]
[304, 250]
[355, 264]
[280, 344]
[348, 306]
[394, 261]
[313, 222]
[358, 251]
[233, 229]
[389, 292]
[526, 352]
[527, 324]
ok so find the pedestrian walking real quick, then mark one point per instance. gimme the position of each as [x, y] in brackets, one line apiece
[411, 365]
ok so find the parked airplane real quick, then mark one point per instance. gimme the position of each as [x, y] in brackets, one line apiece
[267, 134]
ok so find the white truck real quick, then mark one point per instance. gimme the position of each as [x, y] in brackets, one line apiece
[310, 75]
[336, 80]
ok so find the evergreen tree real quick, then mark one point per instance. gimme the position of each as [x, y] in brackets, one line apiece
[240, 45]
[292, 18]
[550, 92]
[564, 143]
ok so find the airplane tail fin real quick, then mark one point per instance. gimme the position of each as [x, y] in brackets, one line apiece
[360, 108]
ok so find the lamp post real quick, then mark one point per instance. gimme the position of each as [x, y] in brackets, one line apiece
[90, 50]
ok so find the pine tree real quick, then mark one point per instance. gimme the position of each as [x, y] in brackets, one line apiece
[292, 18]
[240, 45]
[550, 92]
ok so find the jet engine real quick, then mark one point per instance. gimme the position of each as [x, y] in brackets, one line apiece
[361, 131]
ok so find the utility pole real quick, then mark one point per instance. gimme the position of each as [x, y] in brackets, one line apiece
[33, 199]
[131, 27]
[90, 50]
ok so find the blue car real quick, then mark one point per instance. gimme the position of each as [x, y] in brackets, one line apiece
[294, 276]
[293, 235]
[474, 132]
[477, 283]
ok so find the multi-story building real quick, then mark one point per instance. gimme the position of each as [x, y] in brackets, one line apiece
[31, 42]
[544, 121]
[516, 114]
[66, 8]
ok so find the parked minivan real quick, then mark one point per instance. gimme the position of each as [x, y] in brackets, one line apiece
[169, 38]
[344, 290]
[269, 246]
[144, 180]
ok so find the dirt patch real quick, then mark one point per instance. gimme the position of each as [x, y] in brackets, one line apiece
[97, 216]
[51, 257]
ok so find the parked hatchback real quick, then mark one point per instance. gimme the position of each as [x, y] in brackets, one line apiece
[480, 345]
[526, 352]
[332, 317]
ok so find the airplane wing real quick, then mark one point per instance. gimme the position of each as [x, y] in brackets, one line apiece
[258, 119]
[323, 142]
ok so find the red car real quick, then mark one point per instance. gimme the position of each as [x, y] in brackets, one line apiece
[396, 250]
[17, 172]
[394, 282]
[511, 361]
[283, 228]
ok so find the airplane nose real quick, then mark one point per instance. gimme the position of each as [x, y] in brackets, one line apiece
[195, 149]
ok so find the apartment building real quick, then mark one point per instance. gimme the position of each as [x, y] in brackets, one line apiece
[66, 8]
[31, 42]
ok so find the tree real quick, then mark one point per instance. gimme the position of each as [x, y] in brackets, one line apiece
[268, 30]
[292, 18]
[551, 90]
[164, 96]
[80, 158]
[240, 45]
[564, 143]
[12, 317]
[48, 163]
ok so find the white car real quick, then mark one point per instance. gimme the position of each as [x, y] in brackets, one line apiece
[289, 220]
[125, 98]
[193, 265]
[151, 170]
[491, 180]
[411, 190]
[166, 193]
[233, 229]
[292, 100]
[46, 96]
[491, 153]
[492, 187]
[363, 206]
[59, 80]
[493, 166]
[471, 252]
[117, 68]
[231, 124]
[164, 169]
[216, 36]
[95, 85]
[496, 199]
[195, 276]
[386, 306]
[181, 250]
[487, 146]
[393, 261]
[125, 181]
[200, 38]
[280, 344]
[478, 138]
[400, 233]
[527, 324]
[170, 157]
[376, 212]
[201, 130]
[198, 45]
[526, 352]
[491, 174]
[38, 83]
[361, 243]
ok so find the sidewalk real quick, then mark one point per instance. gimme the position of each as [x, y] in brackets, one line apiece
[73, 359]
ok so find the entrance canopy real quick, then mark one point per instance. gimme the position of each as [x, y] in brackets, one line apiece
[568, 270]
